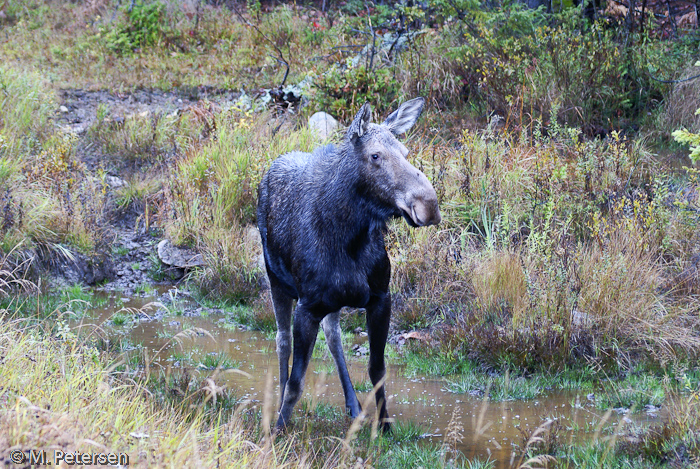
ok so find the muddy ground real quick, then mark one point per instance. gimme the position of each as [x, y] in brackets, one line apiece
[132, 254]
[77, 109]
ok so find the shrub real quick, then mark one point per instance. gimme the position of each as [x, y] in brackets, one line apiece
[143, 26]
[341, 89]
[519, 63]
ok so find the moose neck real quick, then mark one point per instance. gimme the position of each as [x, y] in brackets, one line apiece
[356, 210]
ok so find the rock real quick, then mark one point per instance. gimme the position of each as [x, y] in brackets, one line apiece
[323, 125]
[178, 257]
[114, 182]
[253, 236]
[63, 109]
[360, 350]
[651, 409]
[415, 335]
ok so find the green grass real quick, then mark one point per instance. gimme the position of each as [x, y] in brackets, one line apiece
[120, 251]
[122, 318]
[435, 364]
[26, 105]
[326, 411]
[184, 358]
[405, 431]
[561, 257]
[419, 454]
[144, 288]
[219, 360]
[136, 193]
[327, 368]
[248, 316]
[634, 392]
[364, 386]
[351, 319]
[497, 388]
[321, 348]
[75, 300]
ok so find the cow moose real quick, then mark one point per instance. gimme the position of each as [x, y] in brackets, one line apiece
[322, 219]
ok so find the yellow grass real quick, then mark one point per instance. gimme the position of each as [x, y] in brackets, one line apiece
[64, 395]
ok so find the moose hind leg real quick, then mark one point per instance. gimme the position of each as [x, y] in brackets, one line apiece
[305, 331]
[282, 305]
[378, 317]
[331, 329]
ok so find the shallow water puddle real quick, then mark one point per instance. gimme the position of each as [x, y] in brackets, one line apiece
[489, 429]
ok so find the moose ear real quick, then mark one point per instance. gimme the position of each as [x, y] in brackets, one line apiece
[359, 124]
[405, 116]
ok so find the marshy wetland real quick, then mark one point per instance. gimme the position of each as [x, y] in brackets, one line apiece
[492, 426]
[551, 320]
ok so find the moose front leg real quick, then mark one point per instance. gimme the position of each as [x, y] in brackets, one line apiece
[378, 317]
[305, 331]
[331, 329]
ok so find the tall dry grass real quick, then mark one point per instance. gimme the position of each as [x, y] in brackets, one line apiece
[211, 201]
[553, 251]
[500, 281]
[65, 395]
[682, 103]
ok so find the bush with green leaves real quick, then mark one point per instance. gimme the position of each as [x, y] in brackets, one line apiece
[341, 89]
[518, 62]
[691, 139]
[144, 26]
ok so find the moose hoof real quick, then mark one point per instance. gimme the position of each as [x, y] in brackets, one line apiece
[385, 427]
[280, 427]
[278, 430]
[353, 413]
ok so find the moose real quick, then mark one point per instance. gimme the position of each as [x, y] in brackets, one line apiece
[322, 218]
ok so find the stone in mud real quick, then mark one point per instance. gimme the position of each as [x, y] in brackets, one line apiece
[323, 125]
[178, 257]
[360, 350]
[114, 182]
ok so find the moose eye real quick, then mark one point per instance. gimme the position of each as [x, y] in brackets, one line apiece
[375, 157]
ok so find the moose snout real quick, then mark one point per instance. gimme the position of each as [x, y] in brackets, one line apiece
[425, 210]
[421, 209]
